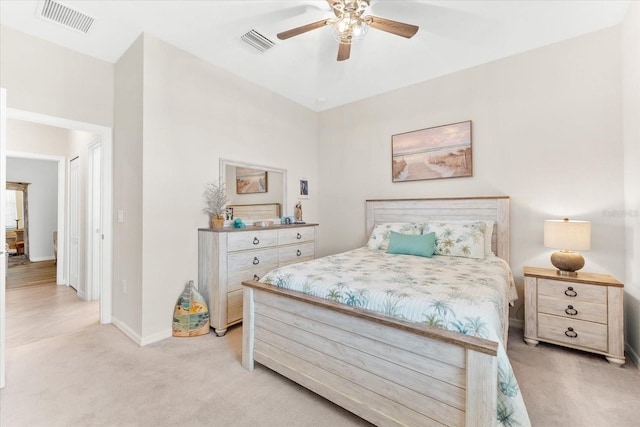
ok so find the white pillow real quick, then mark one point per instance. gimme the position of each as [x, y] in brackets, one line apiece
[488, 232]
[458, 239]
[381, 233]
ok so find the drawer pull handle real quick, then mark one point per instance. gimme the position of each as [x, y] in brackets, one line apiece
[570, 292]
[571, 333]
[298, 252]
[571, 311]
[256, 277]
[256, 261]
[256, 241]
[299, 236]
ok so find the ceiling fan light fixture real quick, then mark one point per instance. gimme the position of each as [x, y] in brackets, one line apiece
[350, 28]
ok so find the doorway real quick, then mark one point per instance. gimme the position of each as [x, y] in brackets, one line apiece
[105, 254]
[17, 221]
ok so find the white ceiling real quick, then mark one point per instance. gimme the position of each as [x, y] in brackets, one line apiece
[453, 35]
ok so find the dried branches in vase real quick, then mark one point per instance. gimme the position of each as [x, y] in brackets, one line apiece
[215, 200]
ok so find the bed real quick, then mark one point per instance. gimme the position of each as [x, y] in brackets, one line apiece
[314, 324]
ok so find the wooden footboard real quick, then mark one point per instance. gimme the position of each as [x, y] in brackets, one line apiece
[387, 371]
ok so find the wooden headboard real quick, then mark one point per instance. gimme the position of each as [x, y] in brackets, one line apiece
[495, 209]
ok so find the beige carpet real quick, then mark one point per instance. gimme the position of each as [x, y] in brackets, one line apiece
[67, 370]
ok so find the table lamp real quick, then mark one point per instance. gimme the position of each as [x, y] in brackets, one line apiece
[568, 236]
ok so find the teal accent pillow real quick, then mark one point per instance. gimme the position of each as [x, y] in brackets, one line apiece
[405, 244]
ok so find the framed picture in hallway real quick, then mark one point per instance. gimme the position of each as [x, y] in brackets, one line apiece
[432, 153]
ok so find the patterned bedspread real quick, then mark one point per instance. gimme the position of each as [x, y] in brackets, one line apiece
[459, 294]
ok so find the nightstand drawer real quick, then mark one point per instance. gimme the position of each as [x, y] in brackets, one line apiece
[570, 291]
[577, 333]
[578, 310]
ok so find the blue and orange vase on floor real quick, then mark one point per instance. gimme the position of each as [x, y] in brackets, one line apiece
[191, 314]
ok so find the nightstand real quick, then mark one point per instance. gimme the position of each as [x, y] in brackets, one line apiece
[582, 312]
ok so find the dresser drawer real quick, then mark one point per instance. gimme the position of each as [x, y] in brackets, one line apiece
[295, 235]
[569, 291]
[583, 334]
[295, 253]
[252, 260]
[242, 240]
[577, 309]
[234, 306]
[234, 280]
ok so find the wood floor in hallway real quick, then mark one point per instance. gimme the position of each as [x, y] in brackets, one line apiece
[31, 273]
[38, 309]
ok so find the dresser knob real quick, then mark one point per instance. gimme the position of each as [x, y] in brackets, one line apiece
[256, 277]
[570, 292]
[298, 252]
[571, 333]
[256, 261]
[571, 311]
[256, 241]
[299, 236]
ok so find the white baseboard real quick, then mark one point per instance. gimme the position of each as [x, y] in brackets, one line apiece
[157, 337]
[633, 356]
[41, 258]
[125, 329]
[141, 341]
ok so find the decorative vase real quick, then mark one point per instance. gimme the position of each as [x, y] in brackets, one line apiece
[217, 222]
[191, 314]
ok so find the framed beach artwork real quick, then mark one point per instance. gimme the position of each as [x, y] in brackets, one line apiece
[432, 153]
[250, 181]
[303, 188]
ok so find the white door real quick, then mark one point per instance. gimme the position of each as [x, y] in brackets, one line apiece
[74, 223]
[3, 185]
[95, 210]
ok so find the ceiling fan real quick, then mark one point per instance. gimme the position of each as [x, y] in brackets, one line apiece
[349, 25]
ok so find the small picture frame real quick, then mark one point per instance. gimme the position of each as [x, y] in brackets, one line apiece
[303, 188]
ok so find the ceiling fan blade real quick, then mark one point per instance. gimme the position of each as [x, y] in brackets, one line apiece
[393, 27]
[344, 51]
[300, 30]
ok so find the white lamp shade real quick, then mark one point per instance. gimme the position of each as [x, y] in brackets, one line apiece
[567, 235]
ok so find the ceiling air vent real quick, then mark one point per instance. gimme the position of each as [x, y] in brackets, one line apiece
[258, 41]
[64, 15]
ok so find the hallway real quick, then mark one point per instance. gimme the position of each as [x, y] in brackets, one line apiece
[38, 309]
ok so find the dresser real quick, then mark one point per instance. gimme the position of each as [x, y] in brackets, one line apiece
[229, 256]
[584, 312]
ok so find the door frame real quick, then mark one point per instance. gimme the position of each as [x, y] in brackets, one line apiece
[60, 271]
[93, 287]
[106, 138]
[3, 184]
[73, 193]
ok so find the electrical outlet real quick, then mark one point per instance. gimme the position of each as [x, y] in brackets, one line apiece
[120, 215]
[124, 286]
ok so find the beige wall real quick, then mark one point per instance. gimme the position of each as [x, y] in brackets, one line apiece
[127, 192]
[45, 78]
[546, 132]
[192, 114]
[631, 140]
